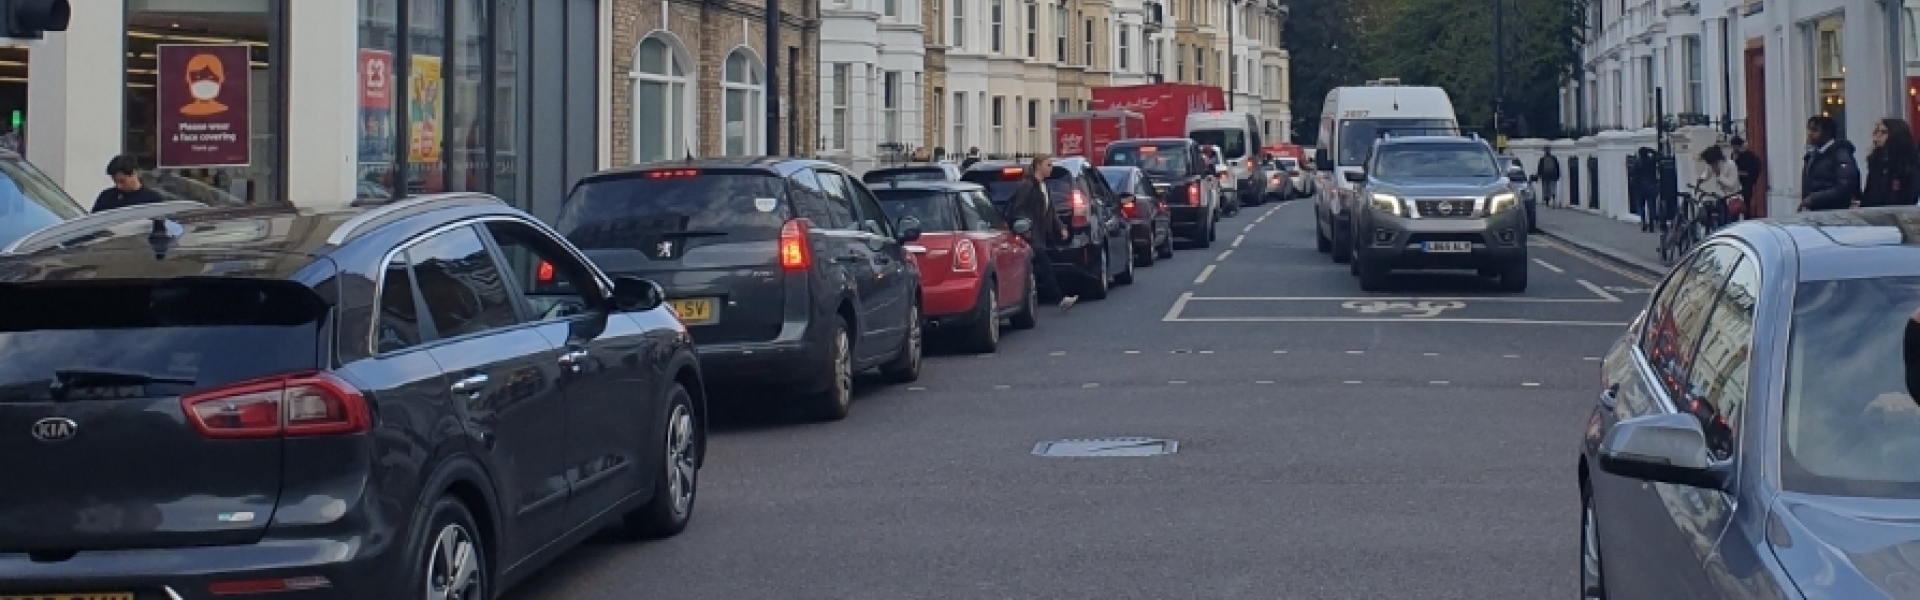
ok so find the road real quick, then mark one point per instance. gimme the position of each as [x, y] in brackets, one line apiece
[1331, 444]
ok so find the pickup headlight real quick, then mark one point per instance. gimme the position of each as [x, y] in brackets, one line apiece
[1389, 204]
[1502, 202]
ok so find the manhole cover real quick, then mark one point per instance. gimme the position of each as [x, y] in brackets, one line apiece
[1104, 447]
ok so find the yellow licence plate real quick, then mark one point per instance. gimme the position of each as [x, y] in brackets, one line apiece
[110, 596]
[690, 310]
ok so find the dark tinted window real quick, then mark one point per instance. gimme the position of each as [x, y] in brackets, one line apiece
[873, 218]
[810, 200]
[29, 201]
[839, 199]
[205, 330]
[987, 210]
[1001, 185]
[398, 325]
[552, 282]
[1679, 317]
[934, 209]
[691, 206]
[460, 283]
[1357, 135]
[880, 176]
[1167, 162]
[1116, 179]
[1232, 142]
[1851, 427]
[1717, 383]
[1434, 160]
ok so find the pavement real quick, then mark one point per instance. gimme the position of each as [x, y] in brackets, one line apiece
[1621, 242]
[1331, 444]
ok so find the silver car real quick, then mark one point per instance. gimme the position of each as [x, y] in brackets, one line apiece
[1437, 202]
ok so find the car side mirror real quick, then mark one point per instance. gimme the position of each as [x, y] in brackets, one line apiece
[1357, 176]
[1321, 162]
[1022, 226]
[907, 230]
[1662, 448]
[634, 294]
[1517, 177]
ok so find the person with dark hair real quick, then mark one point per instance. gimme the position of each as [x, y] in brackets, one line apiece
[126, 189]
[1750, 166]
[1830, 179]
[1719, 182]
[1643, 188]
[1893, 166]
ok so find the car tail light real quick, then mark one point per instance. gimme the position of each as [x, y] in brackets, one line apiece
[672, 173]
[1012, 173]
[1193, 195]
[257, 586]
[966, 259]
[297, 405]
[1295, 172]
[1078, 202]
[1130, 210]
[543, 274]
[794, 252]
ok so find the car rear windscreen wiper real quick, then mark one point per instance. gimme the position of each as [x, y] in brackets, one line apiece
[690, 233]
[68, 378]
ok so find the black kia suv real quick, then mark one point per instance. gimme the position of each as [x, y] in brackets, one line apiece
[787, 271]
[1176, 169]
[1097, 254]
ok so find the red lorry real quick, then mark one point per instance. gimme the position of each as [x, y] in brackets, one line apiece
[1086, 134]
[1164, 105]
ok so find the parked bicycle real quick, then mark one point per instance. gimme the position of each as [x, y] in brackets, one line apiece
[1697, 215]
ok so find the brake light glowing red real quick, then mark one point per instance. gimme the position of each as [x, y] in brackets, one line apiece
[1012, 173]
[672, 173]
[1129, 209]
[966, 259]
[296, 405]
[1078, 201]
[256, 586]
[544, 273]
[794, 251]
[1193, 195]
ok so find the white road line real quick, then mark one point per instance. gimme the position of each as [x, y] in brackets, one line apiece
[1351, 382]
[1003, 387]
[1597, 262]
[1356, 352]
[1133, 352]
[1430, 354]
[1238, 239]
[1204, 274]
[1206, 352]
[1512, 356]
[1373, 320]
[1598, 291]
[1279, 352]
[1392, 299]
[1179, 304]
[1592, 359]
[1548, 266]
[1437, 382]
[1089, 385]
[916, 389]
[1223, 256]
[1529, 384]
[1248, 229]
[1264, 382]
[1059, 353]
[1176, 382]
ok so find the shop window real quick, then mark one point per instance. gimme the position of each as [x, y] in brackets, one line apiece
[661, 106]
[744, 101]
[1906, 23]
[203, 97]
[426, 96]
[509, 114]
[466, 140]
[1829, 72]
[379, 41]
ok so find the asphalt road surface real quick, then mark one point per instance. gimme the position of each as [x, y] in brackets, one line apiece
[1331, 444]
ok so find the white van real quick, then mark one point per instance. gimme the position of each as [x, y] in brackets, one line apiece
[1352, 118]
[1238, 136]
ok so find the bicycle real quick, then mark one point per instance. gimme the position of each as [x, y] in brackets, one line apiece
[1697, 215]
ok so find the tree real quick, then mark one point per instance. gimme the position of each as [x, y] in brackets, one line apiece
[1322, 53]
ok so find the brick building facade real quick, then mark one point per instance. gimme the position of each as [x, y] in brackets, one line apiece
[933, 93]
[701, 37]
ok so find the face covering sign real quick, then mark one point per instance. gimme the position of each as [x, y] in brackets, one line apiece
[203, 105]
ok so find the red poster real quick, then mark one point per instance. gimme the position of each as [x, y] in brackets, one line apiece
[204, 103]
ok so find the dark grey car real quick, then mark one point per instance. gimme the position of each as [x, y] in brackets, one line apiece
[29, 201]
[1756, 433]
[1436, 202]
[389, 402]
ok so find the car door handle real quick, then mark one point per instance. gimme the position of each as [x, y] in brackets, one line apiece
[573, 356]
[473, 383]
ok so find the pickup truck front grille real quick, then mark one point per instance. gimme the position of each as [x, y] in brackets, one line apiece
[1445, 208]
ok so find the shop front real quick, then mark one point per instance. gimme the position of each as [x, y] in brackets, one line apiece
[282, 102]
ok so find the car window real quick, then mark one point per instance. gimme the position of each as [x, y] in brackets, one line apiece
[29, 201]
[934, 208]
[1718, 381]
[1850, 425]
[987, 210]
[461, 285]
[1232, 142]
[552, 283]
[810, 202]
[398, 325]
[1357, 135]
[839, 199]
[1433, 160]
[879, 176]
[873, 219]
[690, 206]
[1680, 316]
[971, 216]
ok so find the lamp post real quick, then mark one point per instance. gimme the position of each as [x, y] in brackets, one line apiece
[1499, 59]
[1233, 66]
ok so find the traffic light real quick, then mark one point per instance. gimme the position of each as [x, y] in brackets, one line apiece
[32, 19]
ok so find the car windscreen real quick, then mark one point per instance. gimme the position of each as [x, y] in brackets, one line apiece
[1001, 184]
[1851, 427]
[878, 176]
[1169, 162]
[1232, 142]
[1289, 164]
[29, 201]
[934, 208]
[1357, 135]
[696, 206]
[1116, 178]
[173, 334]
[1415, 161]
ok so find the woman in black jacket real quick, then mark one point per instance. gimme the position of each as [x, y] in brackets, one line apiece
[1893, 168]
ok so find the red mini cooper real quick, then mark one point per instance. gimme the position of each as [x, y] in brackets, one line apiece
[974, 267]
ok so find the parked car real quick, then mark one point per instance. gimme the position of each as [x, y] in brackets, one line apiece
[1145, 211]
[975, 269]
[787, 271]
[354, 403]
[1189, 184]
[1754, 434]
[29, 200]
[940, 171]
[1097, 255]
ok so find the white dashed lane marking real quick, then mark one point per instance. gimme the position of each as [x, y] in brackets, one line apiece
[1223, 256]
[1548, 266]
[1238, 240]
[1204, 274]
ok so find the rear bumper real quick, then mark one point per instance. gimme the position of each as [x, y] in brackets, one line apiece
[947, 299]
[1185, 218]
[353, 570]
[1075, 261]
[790, 358]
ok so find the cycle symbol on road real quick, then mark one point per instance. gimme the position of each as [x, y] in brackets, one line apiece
[1423, 309]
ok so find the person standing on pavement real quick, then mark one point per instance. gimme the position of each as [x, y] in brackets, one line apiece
[973, 156]
[1719, 179]
[1548, 171]
[1893, 167]
[126, 190]
[1830, 179]
[1750, 167]
[1031, 201]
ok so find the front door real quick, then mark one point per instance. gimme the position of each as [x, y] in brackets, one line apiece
[1757, 126]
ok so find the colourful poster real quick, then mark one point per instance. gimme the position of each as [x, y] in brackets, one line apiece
[204, 106]
[423, 109]
[376, 106]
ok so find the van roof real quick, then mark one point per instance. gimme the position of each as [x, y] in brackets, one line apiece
[1411, 100]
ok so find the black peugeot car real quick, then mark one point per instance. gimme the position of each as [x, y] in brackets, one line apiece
[788, 272]
[1098, 253]
[358, 403]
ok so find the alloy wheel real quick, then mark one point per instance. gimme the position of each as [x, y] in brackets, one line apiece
[453, 568]
[842, 370]
[993, 314]
[913, 338]
[1590, 584]
[681, 459]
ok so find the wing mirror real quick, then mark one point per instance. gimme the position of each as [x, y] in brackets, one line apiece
[1663, 448]
[1516, 175]
[907, 230]
[1022, 226]
[634, 294]
[1357, 176]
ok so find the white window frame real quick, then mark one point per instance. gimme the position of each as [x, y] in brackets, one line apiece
[1086, 42]
[997, 26]
[1060, 29]
[1033, 30]
[753, 139]
[1695, 65]
[1124, 55]
[957, 34]
[998, 116]
[682, 106]
[959, 140]
[890, 8]
[841, 96]
[890, 87]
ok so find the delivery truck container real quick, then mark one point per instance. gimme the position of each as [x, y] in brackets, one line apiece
[1165, 106]
[1087, 134]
